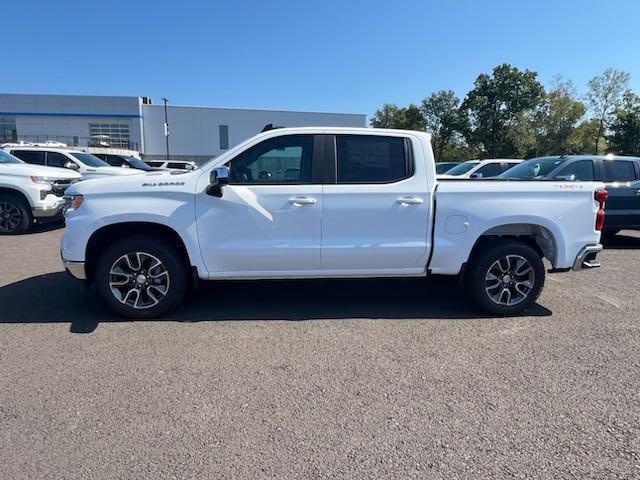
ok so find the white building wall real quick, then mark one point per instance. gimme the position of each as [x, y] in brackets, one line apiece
[194, 131]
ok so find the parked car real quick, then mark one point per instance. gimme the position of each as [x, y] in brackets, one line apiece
[444, 167]
[125, 161]
[480, 168]
[621, 176]
[30, 193]
[325, 202]
[87, 165]
[173, 164]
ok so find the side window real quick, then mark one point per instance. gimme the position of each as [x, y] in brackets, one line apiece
[371, 159]
[29, 156]
[581, 170]
[275, 161]
[489, 170]
[618, 171]
[55, 159]
[509, 165]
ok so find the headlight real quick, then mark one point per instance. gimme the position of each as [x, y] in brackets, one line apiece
[41, 180]
[71, 203]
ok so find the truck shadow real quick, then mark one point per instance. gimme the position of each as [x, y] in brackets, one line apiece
[625, 240]
[58, 298]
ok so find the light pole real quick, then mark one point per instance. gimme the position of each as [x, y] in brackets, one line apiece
[166, 126]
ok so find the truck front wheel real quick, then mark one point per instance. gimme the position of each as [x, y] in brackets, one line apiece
[141, 277]
[505, 277]
[15, 214]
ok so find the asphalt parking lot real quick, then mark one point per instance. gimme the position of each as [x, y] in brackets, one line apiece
[319, 379]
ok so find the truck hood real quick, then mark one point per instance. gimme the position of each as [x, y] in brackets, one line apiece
[30, 170]
[112, 171]
[139, 183]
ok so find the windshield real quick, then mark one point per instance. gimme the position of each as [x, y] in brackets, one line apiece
[90, 160]
[444, 167]
[139, 164]
[8, 158]
[534, 168]
[462, 168]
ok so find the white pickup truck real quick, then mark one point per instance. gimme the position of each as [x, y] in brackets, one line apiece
[325, 203]
[30, 193]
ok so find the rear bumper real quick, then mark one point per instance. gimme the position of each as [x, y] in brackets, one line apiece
[586, 258]
[75, 269]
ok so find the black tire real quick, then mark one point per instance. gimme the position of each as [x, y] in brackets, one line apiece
[15, 214]
[520, 281]
[121, 298]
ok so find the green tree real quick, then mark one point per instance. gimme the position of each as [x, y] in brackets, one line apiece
[604, 97]
[497, 105]
[412, 118]
[389, 116]
[393, 116]
[625, 129]
[583, 139]
[441, 114]
[557, 119]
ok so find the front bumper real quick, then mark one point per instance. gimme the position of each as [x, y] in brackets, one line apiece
[49, 211]
[75, 269]
[586, 258]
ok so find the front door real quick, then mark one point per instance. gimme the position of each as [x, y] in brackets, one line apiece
[376, 211]
[267, 223]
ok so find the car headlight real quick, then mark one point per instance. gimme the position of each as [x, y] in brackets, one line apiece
[71, 203]
[41, 180]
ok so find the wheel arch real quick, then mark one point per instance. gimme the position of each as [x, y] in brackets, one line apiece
[104, 236]
[541, 238]
[16, 192]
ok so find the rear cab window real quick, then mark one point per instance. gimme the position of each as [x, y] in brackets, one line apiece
[372, 159]
[618, 171]
[35, 157]
[581, 170]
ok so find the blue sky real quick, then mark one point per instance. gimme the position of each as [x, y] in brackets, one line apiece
[330, 55]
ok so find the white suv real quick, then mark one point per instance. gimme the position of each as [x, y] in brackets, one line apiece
[87, 165]
[30, 193]
[488, 168]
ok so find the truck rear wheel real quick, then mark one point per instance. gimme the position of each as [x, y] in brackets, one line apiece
[141, 277]
[506, 277]
[15, 214]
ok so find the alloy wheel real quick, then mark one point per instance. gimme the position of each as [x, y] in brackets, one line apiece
[10, 217]
[139, 280]
[509, 280]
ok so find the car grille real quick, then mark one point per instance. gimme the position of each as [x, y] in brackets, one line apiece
[58, 187]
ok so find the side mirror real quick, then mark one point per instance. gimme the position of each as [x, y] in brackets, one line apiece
[71, 166]
[475, 175]
[218, 178]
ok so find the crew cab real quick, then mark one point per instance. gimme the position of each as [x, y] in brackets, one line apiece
[620, 174]
[325, 203]
[30, 193]
[87, 165]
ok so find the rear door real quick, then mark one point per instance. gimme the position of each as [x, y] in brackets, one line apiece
[375, 206]
[623, 205]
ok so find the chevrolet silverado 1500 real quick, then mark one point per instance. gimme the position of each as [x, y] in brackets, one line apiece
[325, 203]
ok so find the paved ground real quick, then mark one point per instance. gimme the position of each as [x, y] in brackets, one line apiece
[342, 379]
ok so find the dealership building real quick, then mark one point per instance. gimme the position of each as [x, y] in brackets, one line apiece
[196, 133]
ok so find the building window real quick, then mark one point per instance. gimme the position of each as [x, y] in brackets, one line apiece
[115, 135]
[8, 130]
[224, 136]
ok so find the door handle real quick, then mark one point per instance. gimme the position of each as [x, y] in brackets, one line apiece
[410, 200]
[302, 200]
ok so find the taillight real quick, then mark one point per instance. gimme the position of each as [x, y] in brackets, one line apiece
[601, 198]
